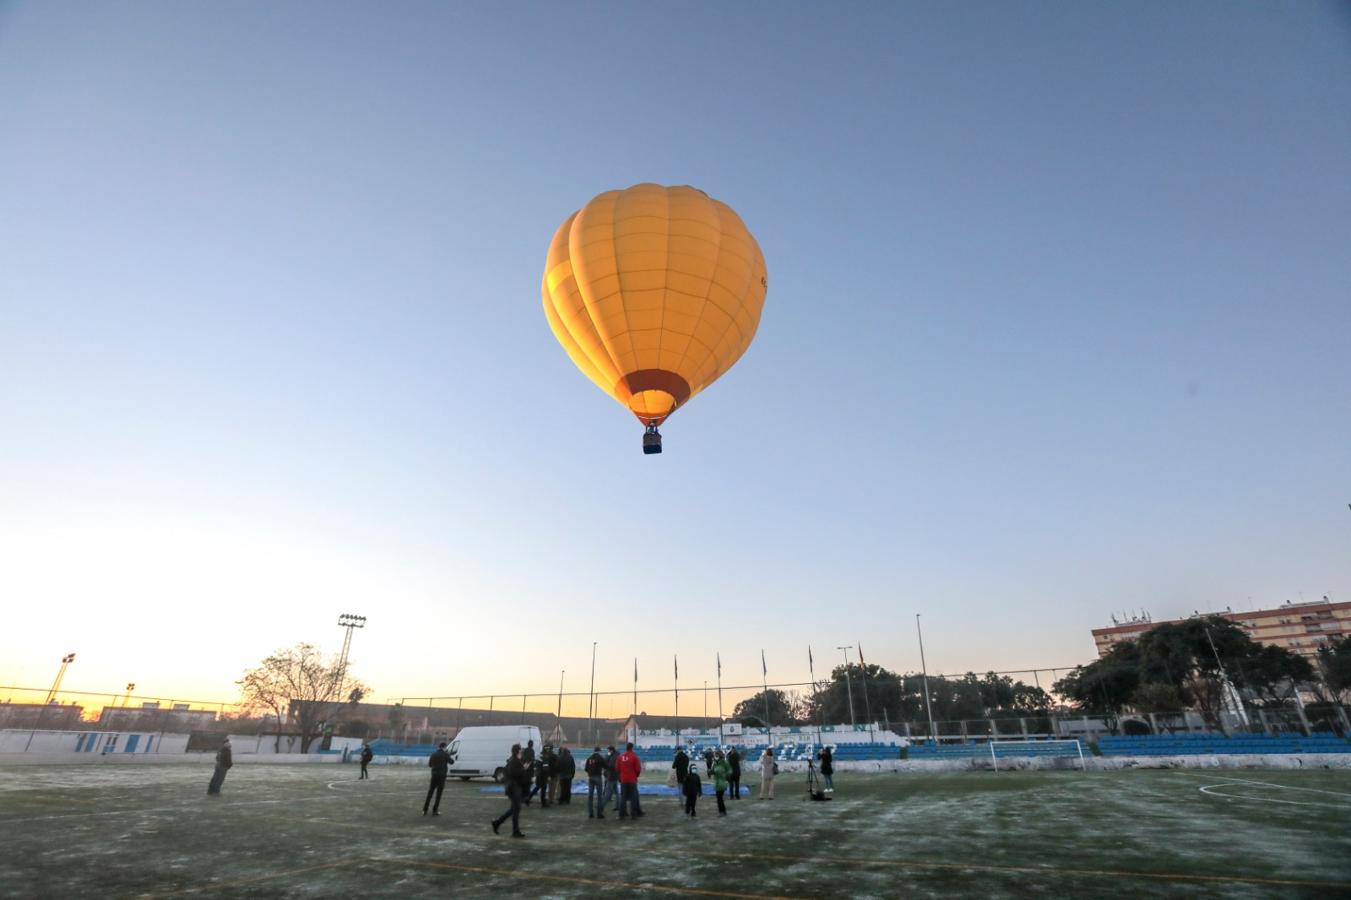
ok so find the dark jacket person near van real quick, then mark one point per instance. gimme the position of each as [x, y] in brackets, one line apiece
[439, 763]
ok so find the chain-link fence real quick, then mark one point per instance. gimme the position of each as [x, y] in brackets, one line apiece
[585, 718]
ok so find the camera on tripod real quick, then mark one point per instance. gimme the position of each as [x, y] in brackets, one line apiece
[814, 791]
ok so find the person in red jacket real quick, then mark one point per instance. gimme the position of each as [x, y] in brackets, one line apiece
[629, 767]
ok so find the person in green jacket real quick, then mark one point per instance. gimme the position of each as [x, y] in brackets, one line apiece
[721, 772]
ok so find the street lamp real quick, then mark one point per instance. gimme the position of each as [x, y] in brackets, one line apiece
[848, 684]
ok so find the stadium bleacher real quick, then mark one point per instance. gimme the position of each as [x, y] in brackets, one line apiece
[1214, 743]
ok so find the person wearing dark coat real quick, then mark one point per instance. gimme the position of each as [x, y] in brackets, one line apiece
[516, 778]
[595, 776]
[528, 754]
[544, 770]
[692, 787]
[439, 763]
[708, 759]
[734, 777]
[366, 756]
[827, 768]
[224, 760]
[681, 764]
[567, 770]
[611, 779]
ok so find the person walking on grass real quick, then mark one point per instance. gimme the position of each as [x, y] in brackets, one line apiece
[567, 770]
[595, 778]
[224, 760]
[439, 763]
[720, 772]
[827, 768]
[768, 769]
[692, 787]
[734, 775]
[516, 778]
[366, 756]
[629, 767]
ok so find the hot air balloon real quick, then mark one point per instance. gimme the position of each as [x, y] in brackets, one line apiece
[654, 292]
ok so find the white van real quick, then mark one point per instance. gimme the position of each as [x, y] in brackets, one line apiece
[482, 751]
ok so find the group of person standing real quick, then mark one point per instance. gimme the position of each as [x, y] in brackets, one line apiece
[606, 776]
[611, 773]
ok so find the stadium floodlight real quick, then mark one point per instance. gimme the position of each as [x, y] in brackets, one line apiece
[848, 685]
[348, 621]
[60, 674]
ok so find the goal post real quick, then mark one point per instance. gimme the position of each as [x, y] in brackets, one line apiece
[1068, 748]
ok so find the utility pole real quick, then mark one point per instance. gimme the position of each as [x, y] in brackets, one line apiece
[60, 673]
[848, 684]
[924, 669]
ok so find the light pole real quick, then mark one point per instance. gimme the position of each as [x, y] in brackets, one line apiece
[60, 673]
[350, 622]
[848, 685]
[131, 686]
[924, 669]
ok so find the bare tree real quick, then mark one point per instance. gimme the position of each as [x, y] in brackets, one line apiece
[299, 687]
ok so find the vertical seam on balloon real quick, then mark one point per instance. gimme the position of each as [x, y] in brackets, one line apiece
[600, 337]
[717, 257]
[619, 276]
[600, 370]
[665, 282]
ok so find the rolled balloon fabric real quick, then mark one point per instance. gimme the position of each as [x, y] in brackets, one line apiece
[654, 292]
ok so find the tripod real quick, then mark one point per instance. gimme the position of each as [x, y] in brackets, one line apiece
[814, 791]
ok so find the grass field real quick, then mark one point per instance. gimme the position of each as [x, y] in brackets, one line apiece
[315, 831]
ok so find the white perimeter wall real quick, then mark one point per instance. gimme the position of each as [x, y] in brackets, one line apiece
[90, 743]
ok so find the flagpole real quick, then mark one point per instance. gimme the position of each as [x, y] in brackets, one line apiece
[764, 683]
[816, 700]
[867, 705]
[924, 669]
[676, 662]
[720, 737]
[591, 701]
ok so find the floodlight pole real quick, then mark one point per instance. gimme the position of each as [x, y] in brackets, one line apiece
[559, 715]
[131, 686]
[924, 669]
[60, 674]
[847, 683]
[349, 622]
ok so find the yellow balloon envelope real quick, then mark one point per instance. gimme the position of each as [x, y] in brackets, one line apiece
[654, 292]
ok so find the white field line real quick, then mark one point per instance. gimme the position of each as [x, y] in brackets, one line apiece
[1209, 790]
[1290, 787]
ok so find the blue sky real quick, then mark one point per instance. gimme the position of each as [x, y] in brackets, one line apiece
[1058, 320]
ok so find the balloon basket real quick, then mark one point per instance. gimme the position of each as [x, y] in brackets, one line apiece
[651, 440]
